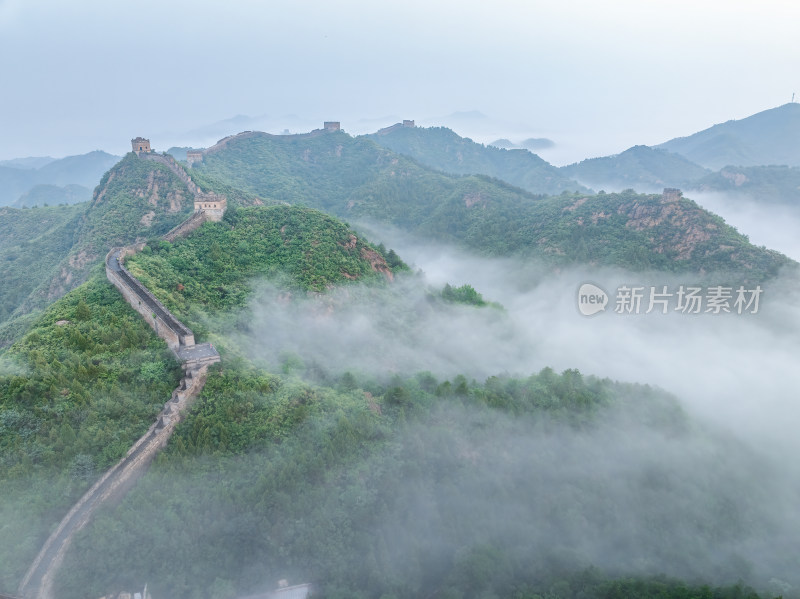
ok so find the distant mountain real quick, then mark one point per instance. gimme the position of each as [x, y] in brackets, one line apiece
[84, 170]
[179, 153]
[776, 184]
[537, 143]
[27, 163]
[354, 178]
[443, 149]
[14, 182]
[53, 195]
[640, 167]
[503, 144]
[769, 137]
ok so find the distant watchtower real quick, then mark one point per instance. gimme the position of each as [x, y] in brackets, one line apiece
[408, 123]
[671, 194]
[193, 156]
[141, 145]
[331, 126]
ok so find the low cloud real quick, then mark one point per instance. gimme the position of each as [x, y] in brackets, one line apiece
[649, 501]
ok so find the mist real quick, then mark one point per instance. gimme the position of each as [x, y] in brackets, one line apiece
[735, 369]
[713, 499]
[764, 222]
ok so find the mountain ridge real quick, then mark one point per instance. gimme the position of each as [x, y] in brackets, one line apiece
[766, 138]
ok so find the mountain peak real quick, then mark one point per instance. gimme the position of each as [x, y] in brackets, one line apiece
[767, 137]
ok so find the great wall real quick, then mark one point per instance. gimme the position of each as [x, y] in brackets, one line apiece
[194, 358]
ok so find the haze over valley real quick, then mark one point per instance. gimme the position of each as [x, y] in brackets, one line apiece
[451, 300]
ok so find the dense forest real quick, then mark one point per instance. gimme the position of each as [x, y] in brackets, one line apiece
[45, 252]
[368, 482]
[445, 150]
[357, 180]
[425, 487]
[80, 387]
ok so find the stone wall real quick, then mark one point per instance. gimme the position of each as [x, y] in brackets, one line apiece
[187, 226]
[195, 358]
[202, 199]
[161, 320]
[38, 581]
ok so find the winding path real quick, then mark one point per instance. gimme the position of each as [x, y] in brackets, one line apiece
[195, 359]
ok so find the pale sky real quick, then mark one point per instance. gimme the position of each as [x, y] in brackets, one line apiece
[596, 77]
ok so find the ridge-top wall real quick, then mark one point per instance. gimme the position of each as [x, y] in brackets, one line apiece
[161, 320]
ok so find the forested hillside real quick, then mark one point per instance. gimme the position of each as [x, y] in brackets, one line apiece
[32, 242]
[69, 179]
[379, 485]
[367, 484]
[640, 167]
[355, 179]
[75, 392]
[764, 184]
[443, 149]
[216, 266]
[44, 257]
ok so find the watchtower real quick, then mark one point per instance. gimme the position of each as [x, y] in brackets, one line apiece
[213, 205]
[331, 126]
[671, 194]
[193, 156]
[141, 145]
[408, 123]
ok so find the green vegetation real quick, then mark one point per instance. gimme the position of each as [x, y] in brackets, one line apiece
[369, 485]
[764, 184]
[404, 489]
[32, 243]
[76, 391]
[127, 193]
[84, 171]
[45, 252]
[640, 167]
[353, 178]
[215, 266]
[465, 294]
[444, 150]
[53, 195]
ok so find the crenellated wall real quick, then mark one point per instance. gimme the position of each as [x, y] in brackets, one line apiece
[170, 329]
[38, 581]
[195, 359]
[212, 204]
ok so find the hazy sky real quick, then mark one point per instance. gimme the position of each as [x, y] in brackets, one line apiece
[596, 77]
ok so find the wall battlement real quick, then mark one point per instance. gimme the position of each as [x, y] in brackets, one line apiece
[195, 359]
[212, 204]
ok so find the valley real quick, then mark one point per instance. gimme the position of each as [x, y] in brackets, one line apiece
[432, 419]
